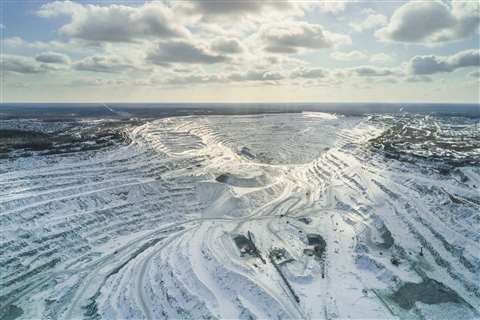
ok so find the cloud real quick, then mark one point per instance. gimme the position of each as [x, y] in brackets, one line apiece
[17, 42]
[293, 37]
[256, 75]
[387, 80]
[14, 42]
[115, 23]
[269, 62]
[53, 57]
[474, 74]
[371, 71]
[200, 77]
[97, 82]
[333, 7]
[380, 58]
[181, 80]
[372, 21]
[182, 51]
[416, 79]
[335, 74]
[222, 7]
[432, 22]
[235, 18]
[103, 63]
[355, 55]
[18, 84]
[21, 64]
[227, 46]
[301, 76]
[349, 56]
[424, 65]
[309, 73]
[227, 9]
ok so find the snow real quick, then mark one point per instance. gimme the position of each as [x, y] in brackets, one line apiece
[145, 230]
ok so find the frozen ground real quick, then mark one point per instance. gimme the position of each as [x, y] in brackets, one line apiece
[145, 229]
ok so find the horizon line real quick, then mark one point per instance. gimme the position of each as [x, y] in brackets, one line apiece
[234, 102]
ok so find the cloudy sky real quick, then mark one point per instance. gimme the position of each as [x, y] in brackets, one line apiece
[240, 51]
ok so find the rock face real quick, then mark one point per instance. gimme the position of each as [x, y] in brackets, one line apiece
[155, 224]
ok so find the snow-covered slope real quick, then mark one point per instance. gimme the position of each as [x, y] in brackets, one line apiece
[147, 230]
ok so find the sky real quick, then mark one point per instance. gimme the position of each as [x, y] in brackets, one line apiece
[240, 51]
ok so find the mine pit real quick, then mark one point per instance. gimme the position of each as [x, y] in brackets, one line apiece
[81, 231]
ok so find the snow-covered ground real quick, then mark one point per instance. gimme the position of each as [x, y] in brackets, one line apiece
[145, 230]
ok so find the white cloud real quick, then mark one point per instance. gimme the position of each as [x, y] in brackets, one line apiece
[182, 51]
[474, 74]
[247, 15]
[356, 55]
[21, 64]
[332, 74]
[295, 36]
[256, 75]
[195, 76]
[52, 57]
[424, 65]
[432, 22]
[380, 58]
[227, 46]
[115, 23]
[269, 62]
[97, 82]
[189, 79]
[232, 42]
[372, 71]
[334, 7]
[387, 80]
[418, 78]
[102, 63]
[221, 7]
[309, 73]
[349, 56]
[372, 21]
[17, 42]
[14, 42]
